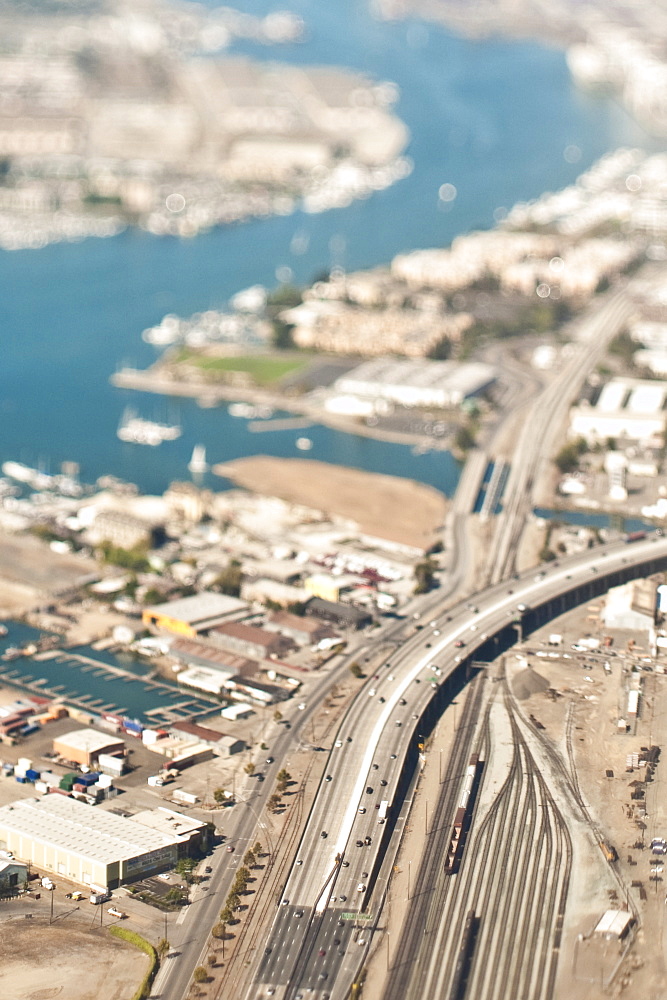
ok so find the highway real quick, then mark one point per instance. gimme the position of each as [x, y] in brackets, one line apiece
[543, 425]
[334, 889]
[372, 745]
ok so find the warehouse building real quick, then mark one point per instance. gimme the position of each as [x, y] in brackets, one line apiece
[84, 746]
[89, 846]
[304, 631]
[191, 615]
[342, 615]
[250, 641]
[625, 410]
[416, 382]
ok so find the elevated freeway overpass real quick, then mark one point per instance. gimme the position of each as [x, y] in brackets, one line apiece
[338, 870]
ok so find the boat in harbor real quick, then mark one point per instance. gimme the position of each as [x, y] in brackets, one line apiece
[251, 411]
[24, 474]
[198, 461]
[138, 430]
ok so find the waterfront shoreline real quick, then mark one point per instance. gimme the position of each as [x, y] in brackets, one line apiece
[155, 381]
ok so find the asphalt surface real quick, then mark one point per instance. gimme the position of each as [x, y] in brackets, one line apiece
[334, 864]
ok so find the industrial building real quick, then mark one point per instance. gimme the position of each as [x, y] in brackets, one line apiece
[89, 846]
[191, 615]
[441, 384]
[84, 746]
[250, 641]
[626, 410]
[304, 631]
[343, 615]
[614, 925]
[191, 833]
[220, 743]
[13, 876]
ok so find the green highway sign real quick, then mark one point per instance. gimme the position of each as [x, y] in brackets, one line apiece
[356, 916]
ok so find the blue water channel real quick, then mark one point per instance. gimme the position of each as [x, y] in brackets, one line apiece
[97, 680]
[492, 118]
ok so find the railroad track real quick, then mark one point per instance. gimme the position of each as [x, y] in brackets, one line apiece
[514, 876]
[567, 771]
[425, 898]
[251, 933]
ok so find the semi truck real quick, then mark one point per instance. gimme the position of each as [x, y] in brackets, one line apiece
[383, 810]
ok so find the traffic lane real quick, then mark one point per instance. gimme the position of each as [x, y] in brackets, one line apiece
[288, 938]
[327, 817]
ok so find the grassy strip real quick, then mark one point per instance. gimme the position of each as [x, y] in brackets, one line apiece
[263, 369]
[132, 937]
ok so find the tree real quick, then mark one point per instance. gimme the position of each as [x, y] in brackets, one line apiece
[464, 439]
[425, 576]
[249, 858]
[277, 715]
[200, 974]
[282, 334]
[568, 457]
[185, 868]
[163, 947]
[441, 351]
[356, 670]
[249, 768]
[274, 802]
[284, 775]
[175, 895]
[134, 559]
[219, 929]
[229, 581]
[257, 849]
[219, 794]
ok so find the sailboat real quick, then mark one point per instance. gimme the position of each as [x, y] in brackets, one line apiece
[198, 461]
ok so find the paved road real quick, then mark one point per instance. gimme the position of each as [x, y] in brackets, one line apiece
[311, 918]
[543, 427]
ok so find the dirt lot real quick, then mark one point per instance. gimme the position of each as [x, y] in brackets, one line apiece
[399, 510]
[42, 962]
[30, 563]
[581, 719]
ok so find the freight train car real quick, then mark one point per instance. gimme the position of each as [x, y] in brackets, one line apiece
[462, 815]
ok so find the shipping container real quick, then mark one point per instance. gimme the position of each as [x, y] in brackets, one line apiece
[132, 726]
[110, 764]
[182, 796]
[32, 775]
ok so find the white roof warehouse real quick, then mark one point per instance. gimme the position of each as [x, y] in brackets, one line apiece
[87, 845]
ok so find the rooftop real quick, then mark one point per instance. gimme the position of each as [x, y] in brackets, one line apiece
[75, 827]
[199, 607]
[88, 740]
[169, 823]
